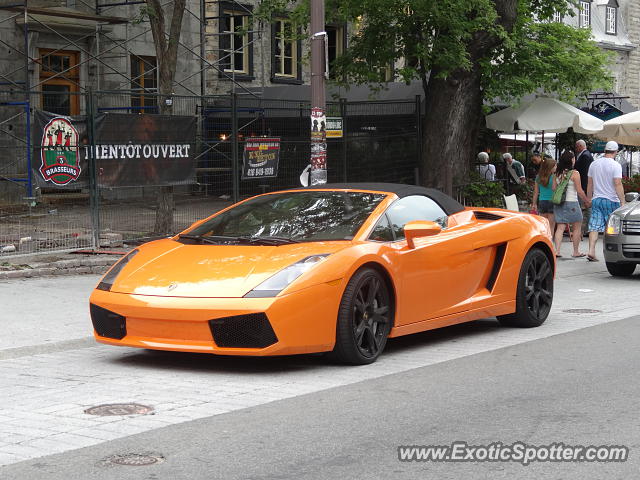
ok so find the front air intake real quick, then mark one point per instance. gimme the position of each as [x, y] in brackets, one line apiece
[243, 331]
[108, 324]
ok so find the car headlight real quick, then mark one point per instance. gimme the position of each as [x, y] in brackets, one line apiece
[614, 225]
[107, 281]
[278, 282]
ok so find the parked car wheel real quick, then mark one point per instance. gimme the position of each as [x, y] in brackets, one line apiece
[364, 319]
[534, 294]
[621, 269]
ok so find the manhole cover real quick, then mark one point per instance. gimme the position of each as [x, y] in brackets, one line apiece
[134, 459]
[119, 409]
[582, 310]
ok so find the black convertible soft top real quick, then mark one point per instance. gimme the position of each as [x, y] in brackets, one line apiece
[448, 204]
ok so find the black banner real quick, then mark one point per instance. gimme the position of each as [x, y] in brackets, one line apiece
[133, 149]
[260, 159]
[130, 150]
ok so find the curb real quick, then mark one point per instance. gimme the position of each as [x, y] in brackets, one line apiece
[60, 267]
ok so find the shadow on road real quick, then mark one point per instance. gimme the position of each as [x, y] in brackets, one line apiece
[203, 362]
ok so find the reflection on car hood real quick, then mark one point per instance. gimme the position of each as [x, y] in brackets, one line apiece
[170, 269]
[630, 211]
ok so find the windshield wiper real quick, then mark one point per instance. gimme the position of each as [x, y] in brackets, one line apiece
[256, 239]
[267, 240]
[199, 238]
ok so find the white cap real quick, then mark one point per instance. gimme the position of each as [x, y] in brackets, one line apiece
[611, 146]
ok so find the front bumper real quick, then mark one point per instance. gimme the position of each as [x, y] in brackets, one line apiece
[302, 322]
[622, 248]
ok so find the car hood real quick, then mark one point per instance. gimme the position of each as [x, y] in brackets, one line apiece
[630, 211]
[170, 269]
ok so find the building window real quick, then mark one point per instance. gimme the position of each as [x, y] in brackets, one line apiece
[335, 44]
[60, 81]
[557, 17]
[235, 42]
[144, 81]
[611, 20]
[286, 52]
[285, 47]
[585, 14]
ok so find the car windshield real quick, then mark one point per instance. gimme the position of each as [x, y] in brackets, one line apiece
[297, 216]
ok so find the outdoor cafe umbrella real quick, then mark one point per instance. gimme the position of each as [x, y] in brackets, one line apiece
[544, 115]
[624, 129]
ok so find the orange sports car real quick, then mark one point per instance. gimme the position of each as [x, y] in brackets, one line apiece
[335, 268]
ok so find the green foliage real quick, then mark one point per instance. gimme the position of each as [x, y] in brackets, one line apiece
[631, 184]
[551, 57]
[482, 193]
[144, 12]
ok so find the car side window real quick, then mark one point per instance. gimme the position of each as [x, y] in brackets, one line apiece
[414, 207]
[382, 231]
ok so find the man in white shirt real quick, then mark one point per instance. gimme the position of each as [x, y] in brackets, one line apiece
[605, 192]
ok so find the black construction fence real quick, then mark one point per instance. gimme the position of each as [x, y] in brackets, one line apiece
[81, 170]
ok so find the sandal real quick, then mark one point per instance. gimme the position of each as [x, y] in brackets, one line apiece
[580, 255]
[592, 259]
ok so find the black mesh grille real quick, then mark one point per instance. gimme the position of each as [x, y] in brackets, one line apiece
[243, 331]
[108, 324]
[480, 215]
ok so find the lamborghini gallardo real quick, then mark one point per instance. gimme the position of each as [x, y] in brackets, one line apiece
[336, 268]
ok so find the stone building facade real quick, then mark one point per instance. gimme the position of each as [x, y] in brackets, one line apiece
[632, 16]
[69, 46]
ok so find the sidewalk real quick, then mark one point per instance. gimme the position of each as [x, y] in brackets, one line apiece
[56, 264]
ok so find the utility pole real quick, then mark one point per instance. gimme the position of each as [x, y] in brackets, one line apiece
[318, 173]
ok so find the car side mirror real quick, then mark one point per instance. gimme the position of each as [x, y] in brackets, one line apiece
[420, 228]
[631, 196]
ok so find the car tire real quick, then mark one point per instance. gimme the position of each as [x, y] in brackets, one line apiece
[534, 294]
[364, 319]
[621, 269]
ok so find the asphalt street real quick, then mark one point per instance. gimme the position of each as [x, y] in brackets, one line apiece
[578, 388]
[573, 380]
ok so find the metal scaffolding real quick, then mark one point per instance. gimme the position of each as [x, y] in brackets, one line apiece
[101, 56]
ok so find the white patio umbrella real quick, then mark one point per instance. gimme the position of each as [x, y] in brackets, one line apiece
[544, 114]
[624, 129]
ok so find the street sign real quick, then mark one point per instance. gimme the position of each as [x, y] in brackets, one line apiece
[334, 127]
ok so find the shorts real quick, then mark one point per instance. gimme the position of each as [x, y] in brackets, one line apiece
[601, 208]
[568, 212]
[545, 206]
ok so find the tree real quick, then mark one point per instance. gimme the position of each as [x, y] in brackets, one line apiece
[167, 55]
[465, 52]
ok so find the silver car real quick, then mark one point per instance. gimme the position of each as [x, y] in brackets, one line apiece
[622, 238]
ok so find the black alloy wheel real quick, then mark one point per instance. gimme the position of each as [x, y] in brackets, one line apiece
[534, 294]
[364, 319]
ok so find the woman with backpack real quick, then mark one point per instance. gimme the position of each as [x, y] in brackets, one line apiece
[566, 190]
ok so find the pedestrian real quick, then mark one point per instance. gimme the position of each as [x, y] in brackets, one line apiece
[569, 211]
[543, 191]
[605, 191]
[536, 159]
[584, 158]
[486, 169]
[515, 169]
